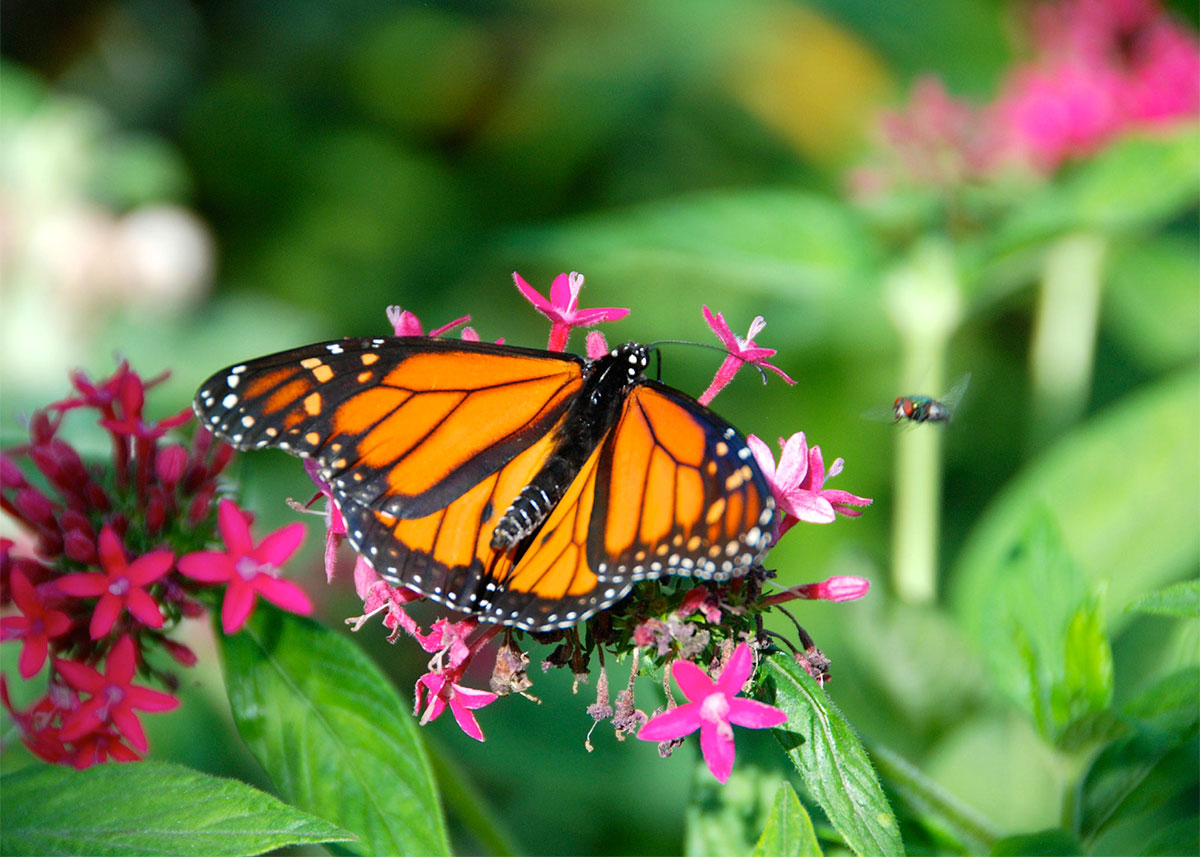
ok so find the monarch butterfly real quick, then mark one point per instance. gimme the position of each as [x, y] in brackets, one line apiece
[529, 488]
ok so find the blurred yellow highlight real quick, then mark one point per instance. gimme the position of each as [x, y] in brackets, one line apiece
[808, 79]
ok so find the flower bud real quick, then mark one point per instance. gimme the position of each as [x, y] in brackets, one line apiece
[170, 465]
[79, 546]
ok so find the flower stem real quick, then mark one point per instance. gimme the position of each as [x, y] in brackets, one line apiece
[1064, 334]
[923, 299]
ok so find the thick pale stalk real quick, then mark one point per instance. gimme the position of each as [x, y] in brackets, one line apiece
[1064, 334]
[924, 302]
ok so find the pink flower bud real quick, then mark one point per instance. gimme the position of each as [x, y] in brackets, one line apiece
[35, 507]
[156, 513]
[10, 474]
[96, 498]
[170, 465]
[840, 588]
[181, 653]
[79, 546]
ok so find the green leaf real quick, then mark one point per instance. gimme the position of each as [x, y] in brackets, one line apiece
[1111, 523]
[1132, 185]
[1182, 600]
[1044, 843]
[332, 733]
[1168, 719]
[1151, 302]
[794, 245]
[948, 818]
[1042, 635]
[146, 808]
[789, 831]
[832, 761]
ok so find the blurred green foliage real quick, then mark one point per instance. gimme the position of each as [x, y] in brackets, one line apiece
[354, 154]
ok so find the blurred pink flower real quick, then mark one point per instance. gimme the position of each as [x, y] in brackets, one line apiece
[842, 587]
[741, 351]
[442, 691]
[248, 570]
[798, 483]
[714, 708]
[563, 307]
[114, 697]
[35, 627]
[120, 586]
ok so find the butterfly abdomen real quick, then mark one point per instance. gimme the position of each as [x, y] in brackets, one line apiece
[592, 414]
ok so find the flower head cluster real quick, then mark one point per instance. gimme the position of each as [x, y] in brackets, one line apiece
[1097, 70]
[675, 621]
[108, 563]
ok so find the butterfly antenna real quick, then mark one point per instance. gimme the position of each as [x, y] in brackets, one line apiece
[653, 346]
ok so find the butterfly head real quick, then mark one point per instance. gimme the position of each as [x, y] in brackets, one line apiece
[634, 356]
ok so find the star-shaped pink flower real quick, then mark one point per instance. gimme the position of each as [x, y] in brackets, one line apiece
[114, 697]
[798, 483]
[248, 570]
[741, 351]
[714, 708]
[563, 307]
[35, 627]
[442, 691]
[122, 585]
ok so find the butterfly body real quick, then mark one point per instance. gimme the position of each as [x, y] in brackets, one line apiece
[530, 488]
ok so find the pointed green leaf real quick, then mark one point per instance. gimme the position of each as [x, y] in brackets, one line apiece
[146, 808]
[831, 759]
[789, 831]
[1182, 600]
[1110, 523]
[332, 733]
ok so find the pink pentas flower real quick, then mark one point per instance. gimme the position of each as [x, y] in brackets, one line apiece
[114, 698]
[562, 308]
[121, 586]
[36, 723]
[741, 351]
[35, 627]
[714, 708]
[406, 323]
[798, 483]
[249, 570]
[441, 691]
[100, 746]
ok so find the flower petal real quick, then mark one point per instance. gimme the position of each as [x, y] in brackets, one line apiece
[716, 745]
[121, 662]
[278, 546]
[735, 673]
[234, 530]
[810, 507]
[127, 723]
[79, 676]
[672, 724]
[284, 594]
[465, 719]
[147, 699]
[237, 606]
[112, 555]
[144, 608]
[33, 655]
[560, 294]
[104, 616]
[753, 714]
[149, 568]
[763, 456]
[24, 593]
[81, 585]
[721, 328]
[692, 680]
[793, 461]
[531, 294]
[207, 566]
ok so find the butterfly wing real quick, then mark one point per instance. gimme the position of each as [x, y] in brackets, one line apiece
[402, 425]
[672, 489]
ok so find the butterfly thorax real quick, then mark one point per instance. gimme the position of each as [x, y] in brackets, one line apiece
[597, 408]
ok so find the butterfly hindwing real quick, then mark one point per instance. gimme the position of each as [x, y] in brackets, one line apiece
[404, 425]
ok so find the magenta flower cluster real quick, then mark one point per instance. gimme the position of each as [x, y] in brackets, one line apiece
[108, 563]
[1097, 70]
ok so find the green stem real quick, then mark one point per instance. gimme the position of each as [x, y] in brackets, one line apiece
[1064, 334]
[923, 300]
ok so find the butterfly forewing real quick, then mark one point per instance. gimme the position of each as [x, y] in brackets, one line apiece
[404, 425]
